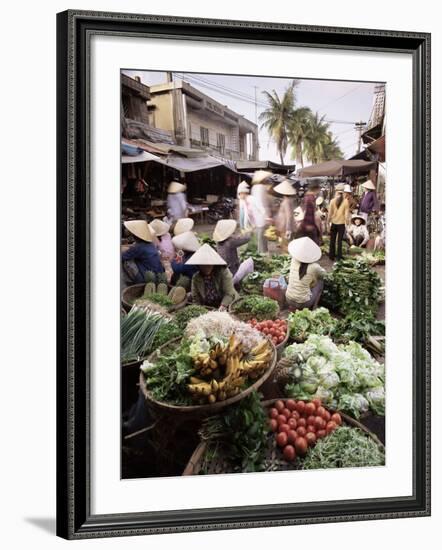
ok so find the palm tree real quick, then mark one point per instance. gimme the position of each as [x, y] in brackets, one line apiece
[331, 149]
[275, 118]
[316, 139]
[297, 130]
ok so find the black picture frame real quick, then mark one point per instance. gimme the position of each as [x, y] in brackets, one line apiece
[74, 31]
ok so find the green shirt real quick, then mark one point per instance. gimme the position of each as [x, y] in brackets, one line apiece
[223, 283]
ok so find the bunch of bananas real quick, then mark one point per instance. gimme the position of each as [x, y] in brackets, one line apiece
[271, 234]
[225, 370]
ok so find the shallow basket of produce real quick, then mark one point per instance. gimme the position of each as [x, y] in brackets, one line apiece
[212, 380]
[298, 435]
[132, 293]
[256, 307]
[276, 330]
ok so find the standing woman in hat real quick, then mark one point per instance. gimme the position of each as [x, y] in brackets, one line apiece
[142, 256]
[186, 244]
[357, 231]
[309, 225]
[285, 219]
[227, 243]
[177, 206]
[369, 201]
[212, 284]
[260, 183]
[348, 194]
[306, 276]
[338, 217]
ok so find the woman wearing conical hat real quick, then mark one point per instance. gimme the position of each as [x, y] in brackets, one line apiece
[227, 243]
[369, 202]
[142, 256]
[163, 240]
[185, 244]
[212, 284]
[177, 206]
[357, 231]
[285, 219]
[306, 275]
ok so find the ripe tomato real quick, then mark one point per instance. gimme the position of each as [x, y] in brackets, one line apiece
[284, 428]
[319, 423]
[287, 413]
[300, 406]
[336, 417]
[280, 339]
[320, 411]
[291, 436]
[311, 438]
[311, 429]
[273, 413]
[290, 404]
[316, 402]
[310, 420]
[310, 408]
[295, 414]
[301, 431]
[292, 423]
[265, 331]
[331, 426]
[320, 434]
[289, 453]
[279, 405]
[301, 445]
[327, 416]
[273, 424]
[281, 439]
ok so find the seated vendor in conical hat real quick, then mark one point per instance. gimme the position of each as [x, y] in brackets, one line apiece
[212, 284]
[227, 243]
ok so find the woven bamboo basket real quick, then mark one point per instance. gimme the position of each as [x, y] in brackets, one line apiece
[273, 461]
[199, 410]
[133, 292]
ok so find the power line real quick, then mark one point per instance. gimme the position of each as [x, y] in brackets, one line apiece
[340, 97]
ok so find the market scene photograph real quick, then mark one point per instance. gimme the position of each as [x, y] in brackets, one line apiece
[253, 257]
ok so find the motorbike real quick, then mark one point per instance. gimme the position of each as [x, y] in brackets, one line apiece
[222, 209]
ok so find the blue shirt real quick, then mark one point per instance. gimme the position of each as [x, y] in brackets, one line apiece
[146, 257]
[183, 269]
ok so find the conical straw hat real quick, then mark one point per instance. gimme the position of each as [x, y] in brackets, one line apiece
[319, 201]
[347, 188]
[261, 175]
[243, 187]
[369, 185]
[159, 228]
[223, 230]
[183, 225]
[176, 187]
[205, 256]
[285, 188]
[186, 241]
[304, 250]
[360, 217]
[298, 214]
[339, 187]
[140, 229]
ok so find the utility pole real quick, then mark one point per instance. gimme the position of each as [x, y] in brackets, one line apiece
[359, 126]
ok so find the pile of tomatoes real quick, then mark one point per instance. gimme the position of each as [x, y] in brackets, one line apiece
[299, 424]
[276, 330]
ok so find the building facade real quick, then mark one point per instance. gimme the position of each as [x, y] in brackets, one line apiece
[198, 121]
[134, 97]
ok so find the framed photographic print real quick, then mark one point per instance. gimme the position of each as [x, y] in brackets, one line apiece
[241, 342]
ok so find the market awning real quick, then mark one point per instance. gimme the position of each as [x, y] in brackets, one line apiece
[141, 157]
[378, 147]
[252, 165]
[337, 168]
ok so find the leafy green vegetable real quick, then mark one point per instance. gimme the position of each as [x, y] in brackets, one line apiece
[166, 333]
[344, 448]
[359, 327]
[242, 430]
[352, 287]
[205, 238]
[304, 322]
[160, 299]
[258, 306]
[183, 316]
[344, 377]
[166, 379]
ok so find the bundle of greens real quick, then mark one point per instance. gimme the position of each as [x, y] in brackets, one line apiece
[344, 448]
[258, 307]
[242, 432]
[344, 377]
[253, 282]
[304, 322]
[352, 287]
[138, 330]
[167, 332]
[167, 378]
[360, 328]
[205, 238]
[183, 316]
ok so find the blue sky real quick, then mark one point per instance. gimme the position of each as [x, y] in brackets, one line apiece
[339, 101]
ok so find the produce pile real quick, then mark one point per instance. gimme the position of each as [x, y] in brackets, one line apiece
[241, 432]
[345, 448]
[216, 360]
[374, 257]
[344, 377]
[353, 327]
[264, 268]
[299, 425]
[352, 287]
[139, 329]
[156, 291]
[183, 316]
[258, 307]
[304, 322]
[276, 330]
